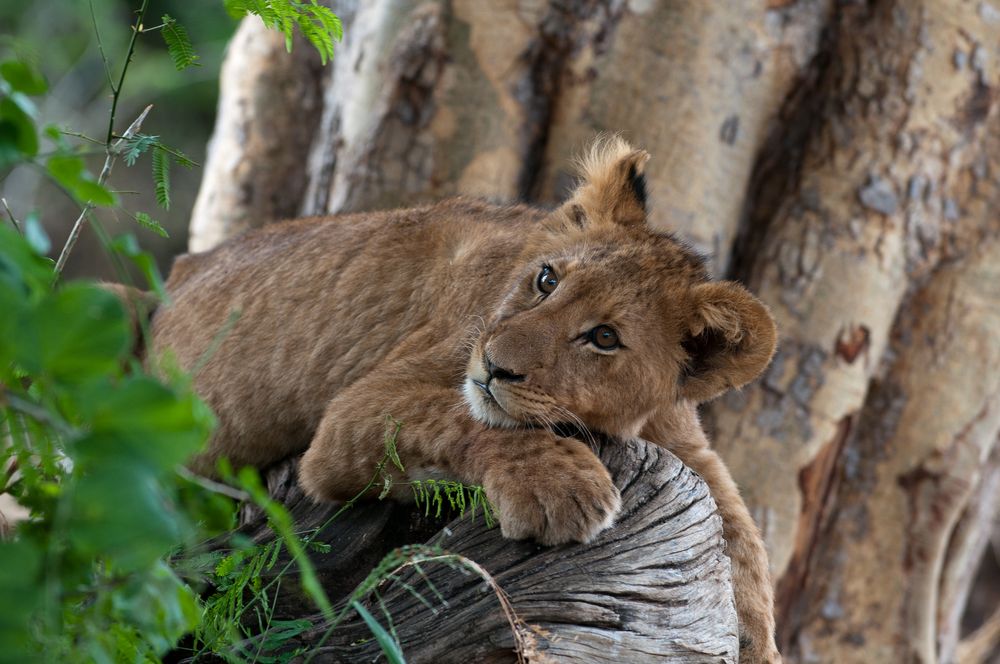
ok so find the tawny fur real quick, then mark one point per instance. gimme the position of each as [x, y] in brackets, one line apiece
[348, 320]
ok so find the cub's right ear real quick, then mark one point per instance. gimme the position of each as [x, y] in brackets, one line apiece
[730, 340]
[612, 189]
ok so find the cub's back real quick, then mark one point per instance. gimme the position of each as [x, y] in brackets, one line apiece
[278, 320]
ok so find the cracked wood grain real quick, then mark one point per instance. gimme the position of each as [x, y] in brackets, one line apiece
[655, 587]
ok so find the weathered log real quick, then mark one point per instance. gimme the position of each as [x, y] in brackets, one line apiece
[655, 587]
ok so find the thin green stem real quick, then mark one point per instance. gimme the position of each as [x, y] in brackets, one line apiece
[181, 158]
[116, 89]
[74, 233]
[100, 47]
[110, 149]
[77, 134]
[109, 162]
[212, 485]
[10, 215]
[307, 540]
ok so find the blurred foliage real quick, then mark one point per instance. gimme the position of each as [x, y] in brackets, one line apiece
[92, 442]
[58, 40]
[91, 447]
[115, 561]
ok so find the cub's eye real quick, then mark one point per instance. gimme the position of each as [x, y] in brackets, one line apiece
[547, 280]
[604, 337]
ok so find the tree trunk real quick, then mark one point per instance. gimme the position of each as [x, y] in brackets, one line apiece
[839, 157]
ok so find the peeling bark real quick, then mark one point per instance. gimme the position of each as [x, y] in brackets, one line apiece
[698, 84]
[862, 215]
[907, 477]
[969, 542]
[430, 100]
[268, 111]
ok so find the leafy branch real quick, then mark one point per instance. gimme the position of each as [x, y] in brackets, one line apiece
[178, 44]
[318, 24]
[103, 197]
[100, 195]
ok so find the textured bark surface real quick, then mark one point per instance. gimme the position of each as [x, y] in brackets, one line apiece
[269, 109]
[656, 587]
[426, 102]
[872, 422]
[841, 158]
[654, 71]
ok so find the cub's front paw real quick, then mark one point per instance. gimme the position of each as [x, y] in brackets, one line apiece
[559, 492]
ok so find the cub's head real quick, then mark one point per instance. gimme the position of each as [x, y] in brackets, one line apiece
[613, 320]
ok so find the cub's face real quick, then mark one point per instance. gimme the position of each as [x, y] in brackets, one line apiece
[580, 338]
[613, 321]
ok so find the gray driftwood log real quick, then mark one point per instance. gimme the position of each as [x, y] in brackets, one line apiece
[656, 587]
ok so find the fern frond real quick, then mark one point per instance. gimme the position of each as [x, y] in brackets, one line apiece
[318, 24]
[431, 495]
[321, 27]
[161, 177]
[138, 144]
[176, 155]
[146, 221]
[330, 21]
[178, 44]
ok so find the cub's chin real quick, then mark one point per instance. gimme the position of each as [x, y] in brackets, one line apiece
[484, 405]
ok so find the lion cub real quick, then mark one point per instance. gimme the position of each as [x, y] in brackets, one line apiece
[478, 327]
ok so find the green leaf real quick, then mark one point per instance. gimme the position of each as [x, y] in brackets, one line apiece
[69, 171]
[142, 420]
[177, 156]
[24, 280]
[320, 26]
[21, 586]
[281, 522]
[146, 221]
[235, 8]
[23, 77]
[178, 44]
[122, 513]
[161, 177]
[127, 246]
[36, 235]
[160, 605]
[21, 267]
[389, 647]
[18, 136]
[73, 335]
[282, 631]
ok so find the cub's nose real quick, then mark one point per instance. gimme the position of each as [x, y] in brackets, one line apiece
[500, 373]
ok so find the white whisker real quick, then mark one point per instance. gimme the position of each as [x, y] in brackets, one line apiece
[584, 429]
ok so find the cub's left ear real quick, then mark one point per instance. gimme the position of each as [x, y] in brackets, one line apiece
[730, 339]
[613, 186]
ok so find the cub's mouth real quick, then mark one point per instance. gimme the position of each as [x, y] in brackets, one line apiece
[494, 403]
[482, 397]
[485, 396]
